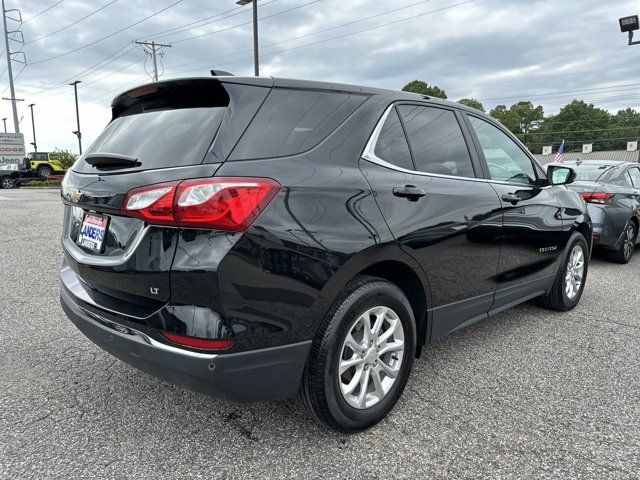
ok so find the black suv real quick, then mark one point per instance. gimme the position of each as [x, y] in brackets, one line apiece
[259, 238]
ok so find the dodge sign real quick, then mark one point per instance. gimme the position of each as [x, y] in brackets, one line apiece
[11, 148]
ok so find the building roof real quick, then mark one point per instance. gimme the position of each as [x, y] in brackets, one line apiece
[612, 155]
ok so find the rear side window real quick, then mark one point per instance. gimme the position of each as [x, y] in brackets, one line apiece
[436, 141]
[591, 173]
[160, 138]
[392, 145]
[294, 121]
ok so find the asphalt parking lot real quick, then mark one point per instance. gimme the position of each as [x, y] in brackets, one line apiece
[528, 393]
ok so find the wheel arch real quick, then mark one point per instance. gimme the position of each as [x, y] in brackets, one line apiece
[391, 263]
[586, 230]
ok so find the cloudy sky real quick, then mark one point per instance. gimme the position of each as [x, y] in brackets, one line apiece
[498, 51]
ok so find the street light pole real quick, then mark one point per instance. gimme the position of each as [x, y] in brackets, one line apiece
[33, 126]
[77, 132]
[5, 124]
[256, 56]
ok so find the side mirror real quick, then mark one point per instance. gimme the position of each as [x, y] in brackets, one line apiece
[560, 175]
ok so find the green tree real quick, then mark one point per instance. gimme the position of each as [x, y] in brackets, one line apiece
[624, 126]
[67, 159]
[472, 102]
[579, 122]
[522, 118]
[423, 88]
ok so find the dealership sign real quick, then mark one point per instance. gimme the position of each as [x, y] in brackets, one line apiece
[11, 148]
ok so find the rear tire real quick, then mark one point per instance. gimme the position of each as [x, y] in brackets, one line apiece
[574, 263]
[625, 252]
[44, 172]
[354, 378]
[6, 183]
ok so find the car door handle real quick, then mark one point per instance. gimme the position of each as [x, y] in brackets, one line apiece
[411, 192]
[511, 198]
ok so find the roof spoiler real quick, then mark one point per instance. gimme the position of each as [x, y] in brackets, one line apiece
[221, 73]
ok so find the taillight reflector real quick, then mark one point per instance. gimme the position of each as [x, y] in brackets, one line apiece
[602, 198]
[153, 203]
[197, 342]
[225, 203]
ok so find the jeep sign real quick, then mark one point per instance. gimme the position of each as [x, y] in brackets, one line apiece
[11, 148]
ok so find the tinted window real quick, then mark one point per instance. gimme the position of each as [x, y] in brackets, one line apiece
[293, 121]
[436, 141]
[392, 145]
[161, 138]
[506, 161]
[634, 173]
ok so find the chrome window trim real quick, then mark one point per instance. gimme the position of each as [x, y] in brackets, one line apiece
[369, 155]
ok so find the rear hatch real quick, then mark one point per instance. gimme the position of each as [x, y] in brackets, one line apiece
[164, 132]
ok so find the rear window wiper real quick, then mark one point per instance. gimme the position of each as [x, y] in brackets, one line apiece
[110, 160]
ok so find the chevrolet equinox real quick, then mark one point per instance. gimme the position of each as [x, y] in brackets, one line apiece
[260, 238]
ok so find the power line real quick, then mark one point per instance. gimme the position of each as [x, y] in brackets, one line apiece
[203, 21]
[349, 34]
[43, 11]
[71, 24]
[108, 36]
[97, 80]
[90, 69]
[576, 142]
[246, 23]
[555, 94]
[538, 132]
[306, 35]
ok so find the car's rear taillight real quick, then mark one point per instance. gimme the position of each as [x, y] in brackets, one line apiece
[197, 342]
[602, 198]
[225, 203]
[153, 204]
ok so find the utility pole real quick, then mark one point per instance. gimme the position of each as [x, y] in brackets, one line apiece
[5, 124]
[152, 48]
[33, 125]
[256, 58]
[77, 132]
[16, 125]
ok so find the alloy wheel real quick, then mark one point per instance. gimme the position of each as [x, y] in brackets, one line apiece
[371, 357]
[575, 272]
[629, 241]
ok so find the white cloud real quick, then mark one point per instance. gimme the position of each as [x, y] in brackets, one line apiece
[484, 49]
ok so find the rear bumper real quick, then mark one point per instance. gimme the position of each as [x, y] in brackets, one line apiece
[264, 374]
[605, 233]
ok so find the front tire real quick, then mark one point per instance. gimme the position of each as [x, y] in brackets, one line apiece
[361, 357]
[44, 172]
[624, 253]
[571, 277]
[6, 183]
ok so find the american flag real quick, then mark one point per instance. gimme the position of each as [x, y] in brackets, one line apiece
[558, 157]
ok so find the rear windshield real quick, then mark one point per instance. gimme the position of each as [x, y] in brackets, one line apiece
[294, 121]
[160, 138]
[590, 173]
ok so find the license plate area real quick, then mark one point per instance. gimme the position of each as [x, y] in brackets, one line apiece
[93, 232]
